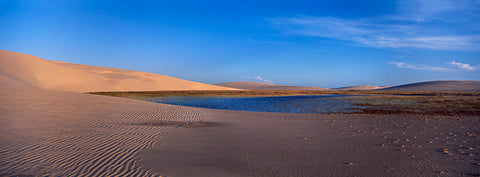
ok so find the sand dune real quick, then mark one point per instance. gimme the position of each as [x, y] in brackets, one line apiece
[37, 72]
[439, 86]
[247, 85]
[362, 87]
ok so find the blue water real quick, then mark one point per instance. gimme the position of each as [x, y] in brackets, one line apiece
[281, 104]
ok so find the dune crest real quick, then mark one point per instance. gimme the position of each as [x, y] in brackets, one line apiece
[54, 75]
[454, 85]
[247, 85]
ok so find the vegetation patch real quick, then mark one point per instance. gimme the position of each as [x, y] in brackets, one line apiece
[442, 105]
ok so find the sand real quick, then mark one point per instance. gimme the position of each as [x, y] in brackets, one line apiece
[247, 85]
[46, 129]
[57, 133]
[54, 75]
[274, 144]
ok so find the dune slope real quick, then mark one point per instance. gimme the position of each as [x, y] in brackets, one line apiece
[40, 73]
[439, 86]
[247, 85]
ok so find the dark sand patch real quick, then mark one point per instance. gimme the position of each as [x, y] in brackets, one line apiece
[272, 144]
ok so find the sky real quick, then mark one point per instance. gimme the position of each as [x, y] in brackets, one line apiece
[307, 43]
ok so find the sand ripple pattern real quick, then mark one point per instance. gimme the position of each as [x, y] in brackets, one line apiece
[43, 142]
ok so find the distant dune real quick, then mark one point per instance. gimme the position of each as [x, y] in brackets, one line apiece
[439, 86]
[30, 71]
[362, 87]
[247, 85]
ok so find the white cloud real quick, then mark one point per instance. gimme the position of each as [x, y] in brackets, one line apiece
[420, 67]
[258, 78]
[427, 24]
[424, 10]
[462, 66]
[379, 33]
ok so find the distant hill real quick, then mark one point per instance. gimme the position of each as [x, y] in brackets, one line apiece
[361, 87]
[439, 86]
[248, 85]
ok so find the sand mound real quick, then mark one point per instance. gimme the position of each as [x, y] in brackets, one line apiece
[247, 85]
[439, 86]
[361, 87]
[37, 72]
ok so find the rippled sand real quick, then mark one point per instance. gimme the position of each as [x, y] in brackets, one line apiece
[68, 134]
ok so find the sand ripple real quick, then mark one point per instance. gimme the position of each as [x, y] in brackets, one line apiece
[54, 142]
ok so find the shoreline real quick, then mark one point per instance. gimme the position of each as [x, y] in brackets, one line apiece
[262, 93]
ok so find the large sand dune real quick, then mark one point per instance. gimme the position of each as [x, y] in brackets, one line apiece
[37, 72]
[439, 86]
[247, 85]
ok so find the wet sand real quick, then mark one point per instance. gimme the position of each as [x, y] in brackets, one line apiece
[274, 144]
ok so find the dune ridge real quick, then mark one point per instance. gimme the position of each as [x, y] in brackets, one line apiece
[248, 85]
[449, 85]
[63, 76]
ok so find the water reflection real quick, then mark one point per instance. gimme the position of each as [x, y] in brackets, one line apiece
[282, 104]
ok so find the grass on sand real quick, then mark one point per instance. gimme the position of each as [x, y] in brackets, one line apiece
[438, 105]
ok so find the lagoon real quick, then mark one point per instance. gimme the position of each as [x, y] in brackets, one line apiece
[280, 104]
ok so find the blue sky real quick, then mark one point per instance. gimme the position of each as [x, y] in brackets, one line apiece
[311, 43]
